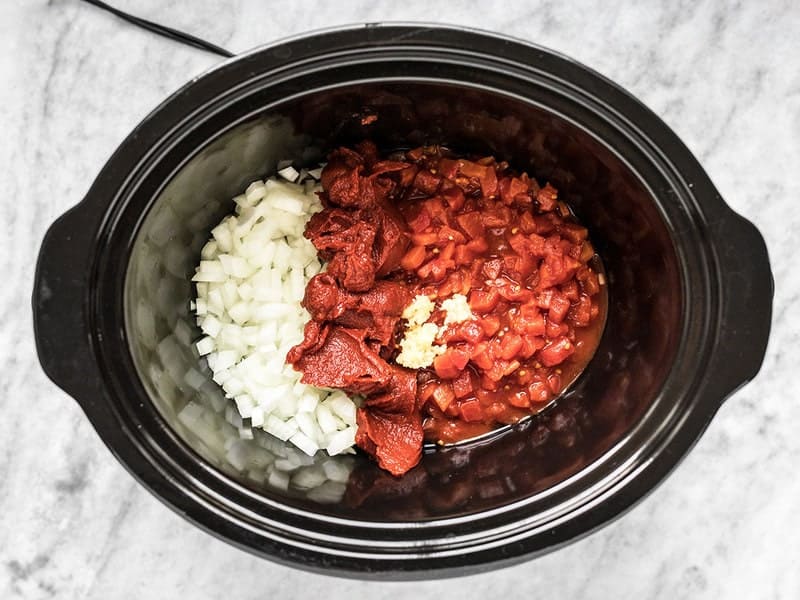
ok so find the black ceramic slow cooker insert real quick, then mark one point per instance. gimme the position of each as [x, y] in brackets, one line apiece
[690, 295]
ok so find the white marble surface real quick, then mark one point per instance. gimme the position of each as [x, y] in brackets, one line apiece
[75, 81]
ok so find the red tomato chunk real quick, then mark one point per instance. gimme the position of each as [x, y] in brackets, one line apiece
[435, 224]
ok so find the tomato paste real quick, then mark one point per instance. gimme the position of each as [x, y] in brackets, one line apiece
[426, 222]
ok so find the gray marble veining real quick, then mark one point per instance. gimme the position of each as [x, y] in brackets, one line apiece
[724, 75]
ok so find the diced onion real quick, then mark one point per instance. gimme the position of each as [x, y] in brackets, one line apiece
[250, 282]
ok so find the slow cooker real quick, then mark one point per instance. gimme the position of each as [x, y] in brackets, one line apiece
[689, 284]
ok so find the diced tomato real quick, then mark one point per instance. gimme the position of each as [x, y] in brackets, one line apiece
[510, 263]
[530, 345]
[451, 363]
[427, 182]
[415, 154]
[547, 198]
[463, 255]
[448, 251]
[451, 285]
[520, 399]
[485, 174]
[493, 267]
[554, 382]
[462, 385]
[553, 330]
[454, 196]
[490, 324]
[450, 334]
[452, 410]
[574, 251]
[556, 352]
[489, 384]
[559, 306]
[587, 251]
[448, 168]
[496, 370]
[537, 245]
[494, 410]
[526, 223]
[588, 280]
[570, 290]
[424, 239]
[581, 313]
[568, 248]
[557, 269]
[574, 232]
[421, 221]
[470, 331]
[443, 395]
[471, 411]
[520, 243]
[481, 356]
[478, 245]
[544, 224]
[539, 392]
[528, 348]
[515, 292]
[525, 266]
[544, 298]
[511, 187]
[448, 234]
[413, 258]
[510, 346]
[530, 310]
[436, 269]
[476, 269]
[408, 175]
[466, 282]
[530, 320]
[499, 216]
[471, 224]
[483, 301]
[436, 207]
[530, 327]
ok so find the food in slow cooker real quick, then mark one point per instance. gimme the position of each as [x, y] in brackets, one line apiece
[250, 282]
[456, 295]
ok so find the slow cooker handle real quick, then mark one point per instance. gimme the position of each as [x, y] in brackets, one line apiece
[59, 308]
[747, 291]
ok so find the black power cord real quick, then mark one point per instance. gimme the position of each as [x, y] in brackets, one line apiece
[163, 30]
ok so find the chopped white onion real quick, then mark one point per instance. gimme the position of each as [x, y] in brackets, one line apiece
[289, 173]
[250, 281]
[341, 440]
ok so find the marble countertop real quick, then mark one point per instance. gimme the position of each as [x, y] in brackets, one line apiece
[74, 524]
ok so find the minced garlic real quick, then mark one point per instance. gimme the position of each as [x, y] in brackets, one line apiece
[419, 310]
[418, 347]
[457, 309]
